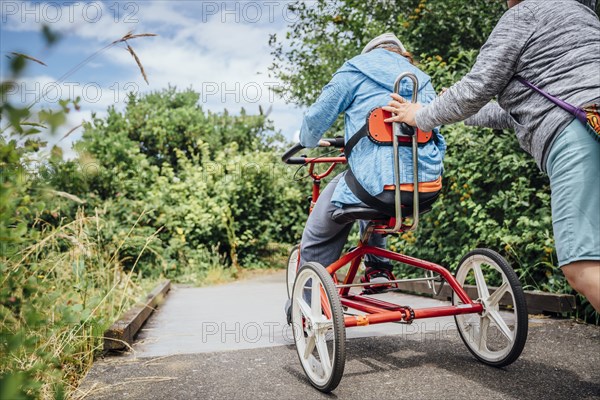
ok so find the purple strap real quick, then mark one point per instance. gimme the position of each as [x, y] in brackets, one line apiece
[576, 111]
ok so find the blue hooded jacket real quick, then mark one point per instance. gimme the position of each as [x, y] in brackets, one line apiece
[361, 84]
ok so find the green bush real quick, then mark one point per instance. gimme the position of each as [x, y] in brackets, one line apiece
[193, 181]
[61, 283]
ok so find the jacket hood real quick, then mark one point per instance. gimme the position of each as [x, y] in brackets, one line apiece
[383, 67]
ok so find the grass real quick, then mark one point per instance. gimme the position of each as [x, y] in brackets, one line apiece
[58, 296]
[65, 288]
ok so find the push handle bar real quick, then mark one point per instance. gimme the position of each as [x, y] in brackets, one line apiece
[287, 158]
[405, 130]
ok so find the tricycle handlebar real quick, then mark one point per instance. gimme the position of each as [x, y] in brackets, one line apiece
[287, 156]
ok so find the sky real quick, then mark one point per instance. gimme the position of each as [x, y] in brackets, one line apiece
[220, 49]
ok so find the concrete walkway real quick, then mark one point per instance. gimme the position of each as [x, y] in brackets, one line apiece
[231, 341]
[248, 314]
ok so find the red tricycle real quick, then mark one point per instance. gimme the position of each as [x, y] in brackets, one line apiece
[491, 320]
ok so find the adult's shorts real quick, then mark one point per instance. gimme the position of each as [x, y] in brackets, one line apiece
[573, 166]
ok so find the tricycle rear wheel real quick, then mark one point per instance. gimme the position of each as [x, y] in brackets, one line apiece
[495, 337]
[318, 326]
[292, 268]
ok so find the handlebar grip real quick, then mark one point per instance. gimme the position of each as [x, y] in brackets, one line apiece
[335, 142]
[288, 154]
[296, 161]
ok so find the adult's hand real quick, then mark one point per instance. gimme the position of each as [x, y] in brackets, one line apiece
[403, 111]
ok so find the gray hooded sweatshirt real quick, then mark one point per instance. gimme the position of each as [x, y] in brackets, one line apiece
[553, 44]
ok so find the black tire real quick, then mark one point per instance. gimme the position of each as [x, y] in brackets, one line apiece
[291, 269]
[518, 317]
[338, 356]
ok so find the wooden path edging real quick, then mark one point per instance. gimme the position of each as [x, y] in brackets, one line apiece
[122, 332]
[537, 301]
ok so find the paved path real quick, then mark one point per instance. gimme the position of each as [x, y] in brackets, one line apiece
[231, 341]
[245, 315]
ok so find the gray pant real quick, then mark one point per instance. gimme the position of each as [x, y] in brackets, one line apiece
[324, 239]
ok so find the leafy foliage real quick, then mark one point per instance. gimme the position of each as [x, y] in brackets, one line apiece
[494, 195]
[202, 180]
[80, 238]
[325, 34]
[58, 295]
[60, 284]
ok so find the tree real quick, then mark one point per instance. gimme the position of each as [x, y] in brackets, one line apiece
[325, 34]
[194, 181]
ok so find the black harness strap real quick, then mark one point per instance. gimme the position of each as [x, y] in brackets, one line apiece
[365, 197]
[362, 132]
[352, 182]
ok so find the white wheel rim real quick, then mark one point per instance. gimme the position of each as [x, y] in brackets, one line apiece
[491, 328]
[292, 269]
[312, 327]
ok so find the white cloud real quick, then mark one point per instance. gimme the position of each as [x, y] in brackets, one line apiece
[217, 52]
[45, 91]
[296, 136]
[226, 63]
[90, 20]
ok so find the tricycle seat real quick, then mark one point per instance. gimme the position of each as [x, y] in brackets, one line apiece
[349, 214]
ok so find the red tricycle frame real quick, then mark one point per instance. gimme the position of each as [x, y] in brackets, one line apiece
[314, 320]
[379, 311]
